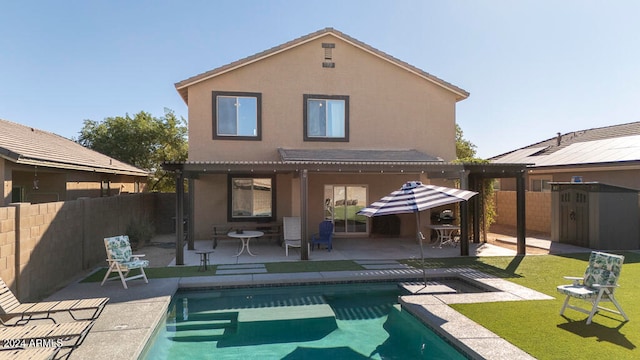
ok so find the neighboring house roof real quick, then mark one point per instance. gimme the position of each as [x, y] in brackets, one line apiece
[28, 146]
[184, 84]
[288, 155]
[610, 144]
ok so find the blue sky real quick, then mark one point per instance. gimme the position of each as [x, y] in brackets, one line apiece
[533, 68]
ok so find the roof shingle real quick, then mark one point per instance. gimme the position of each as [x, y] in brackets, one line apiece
[616, 143]
[26, 145]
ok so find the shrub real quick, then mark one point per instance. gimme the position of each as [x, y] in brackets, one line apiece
[140, 232]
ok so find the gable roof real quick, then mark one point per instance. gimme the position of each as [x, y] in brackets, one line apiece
[184, 84]
[25, 145]
[609, 144]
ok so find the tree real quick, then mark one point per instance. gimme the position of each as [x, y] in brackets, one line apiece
[465, 153]
[465, 149]
[142, 141]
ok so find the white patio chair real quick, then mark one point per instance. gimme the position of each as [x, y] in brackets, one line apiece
[598, 284]
[291, 233]
[122, 261]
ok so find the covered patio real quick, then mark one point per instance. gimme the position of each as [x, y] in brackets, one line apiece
[469, 176]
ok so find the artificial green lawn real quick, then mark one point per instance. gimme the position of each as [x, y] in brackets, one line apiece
[534, 326]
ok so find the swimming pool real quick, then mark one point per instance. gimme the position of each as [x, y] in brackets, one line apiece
[338, 321]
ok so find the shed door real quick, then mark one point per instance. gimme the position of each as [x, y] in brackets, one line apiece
[574, 217]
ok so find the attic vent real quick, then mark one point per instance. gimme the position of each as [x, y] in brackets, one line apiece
[328, 55]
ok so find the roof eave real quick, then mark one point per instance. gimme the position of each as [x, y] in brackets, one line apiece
[78, 167]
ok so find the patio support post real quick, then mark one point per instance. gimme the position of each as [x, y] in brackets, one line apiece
[190, 223]
[476, 202]
[464, 214]
[520, 215]
[179, 217]
[304, 197]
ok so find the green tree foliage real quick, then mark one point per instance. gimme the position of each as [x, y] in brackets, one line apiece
[465, 149]
[465, 153]
[143, 141]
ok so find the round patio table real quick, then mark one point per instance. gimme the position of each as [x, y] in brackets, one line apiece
[245, 236]
[445, 234]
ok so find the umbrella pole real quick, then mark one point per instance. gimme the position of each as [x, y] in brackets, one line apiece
[419, 235]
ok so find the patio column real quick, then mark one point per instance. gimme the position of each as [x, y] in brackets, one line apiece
[520, 215]
[464, 214]
[304, 197]
[179, 217]
[191, 217]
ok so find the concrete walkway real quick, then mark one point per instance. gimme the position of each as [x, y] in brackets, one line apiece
[132, 315]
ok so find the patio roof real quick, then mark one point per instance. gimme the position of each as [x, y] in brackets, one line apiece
[356, 155]
[468, 174]
[434, 169]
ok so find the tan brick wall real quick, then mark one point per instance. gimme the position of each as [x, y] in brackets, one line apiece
[7, 244]
[537, 209]
[43, 246]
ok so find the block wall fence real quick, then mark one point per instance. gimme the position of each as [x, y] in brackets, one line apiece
[44, 246]
[538, 210]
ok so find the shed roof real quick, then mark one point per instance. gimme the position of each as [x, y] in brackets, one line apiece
[29, 146]
[356, 155]
[184, 84]
[610, 144]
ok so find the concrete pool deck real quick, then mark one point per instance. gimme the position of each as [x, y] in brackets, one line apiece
[132, 315]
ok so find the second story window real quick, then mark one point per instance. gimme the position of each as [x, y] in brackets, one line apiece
[237, 115]
[326, 118]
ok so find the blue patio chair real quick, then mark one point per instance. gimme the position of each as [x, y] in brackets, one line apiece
[325, 235]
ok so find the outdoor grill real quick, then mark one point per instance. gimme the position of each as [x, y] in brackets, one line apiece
[446, 217]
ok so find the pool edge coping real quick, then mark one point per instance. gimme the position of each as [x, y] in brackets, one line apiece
[489, 346]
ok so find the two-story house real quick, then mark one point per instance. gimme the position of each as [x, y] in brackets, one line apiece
[317, 127]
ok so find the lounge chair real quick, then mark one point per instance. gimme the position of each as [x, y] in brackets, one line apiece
[122, 261]
[66, 336]
[324, 235]
[79, 309]
[598, 284]
[292, 233]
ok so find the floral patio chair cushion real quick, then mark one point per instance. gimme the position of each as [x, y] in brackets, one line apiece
[120, 250]
[603, 269]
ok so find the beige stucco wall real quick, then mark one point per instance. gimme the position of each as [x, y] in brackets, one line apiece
[6, 182]
[390, 108]
[60, 185]
[211, 198]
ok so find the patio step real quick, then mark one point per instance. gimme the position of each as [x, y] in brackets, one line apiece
[204, 326]
[241, 269]
[382, 264]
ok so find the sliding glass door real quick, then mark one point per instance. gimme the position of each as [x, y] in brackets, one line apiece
[341, 204]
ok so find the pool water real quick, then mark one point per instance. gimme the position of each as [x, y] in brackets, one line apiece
[346, 321]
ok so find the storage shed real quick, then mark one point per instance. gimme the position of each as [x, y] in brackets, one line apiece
[595, 215]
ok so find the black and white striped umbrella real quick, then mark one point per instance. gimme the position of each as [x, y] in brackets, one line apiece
[414, 197]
